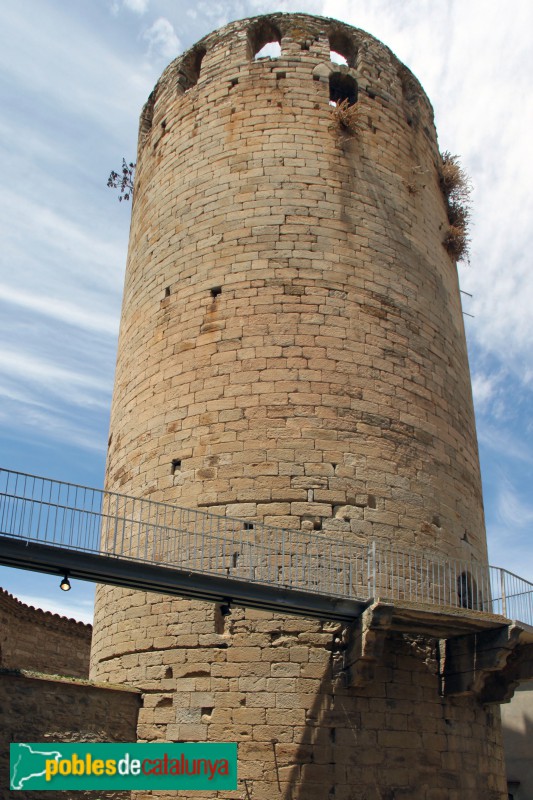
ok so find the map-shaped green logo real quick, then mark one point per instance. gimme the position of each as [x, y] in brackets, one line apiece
[28, 764]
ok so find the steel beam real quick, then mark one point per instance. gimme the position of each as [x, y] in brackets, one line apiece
[149, 577]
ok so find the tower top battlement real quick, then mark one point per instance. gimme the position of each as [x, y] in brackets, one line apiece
[305, 41]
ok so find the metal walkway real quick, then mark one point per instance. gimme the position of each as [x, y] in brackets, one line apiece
[55, 527]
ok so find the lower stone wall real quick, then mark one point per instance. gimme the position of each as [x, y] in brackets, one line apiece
[39, 640]
[41, 708]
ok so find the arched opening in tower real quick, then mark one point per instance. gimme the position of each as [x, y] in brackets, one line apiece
[467, 591]
[342, 49]
[342, 87]
[190, 67]
[264, 40]
[147, 116]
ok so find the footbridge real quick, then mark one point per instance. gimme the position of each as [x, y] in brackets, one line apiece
[483, 614]
[56, 527]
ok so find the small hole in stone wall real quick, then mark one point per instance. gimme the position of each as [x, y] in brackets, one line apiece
[164, 124]
[280, 75]
[167, 291]
[304, 46]
[175, 466]
[317, 525]
[169, 672]
[234, 81]
[316, 77]
[436, 521]
[219, 620]
[248, 526]
[371, 94]
[207, 711]
[165, 702]
[371, 501]
[216, 290]
[235, 559]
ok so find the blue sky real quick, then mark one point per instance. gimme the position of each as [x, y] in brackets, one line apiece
[73, 78]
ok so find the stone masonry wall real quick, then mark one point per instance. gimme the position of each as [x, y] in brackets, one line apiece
[292, 351]
[39, 640]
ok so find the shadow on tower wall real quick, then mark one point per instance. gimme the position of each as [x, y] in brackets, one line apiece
[393, 737]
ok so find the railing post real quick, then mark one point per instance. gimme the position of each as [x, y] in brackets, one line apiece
[502, 586]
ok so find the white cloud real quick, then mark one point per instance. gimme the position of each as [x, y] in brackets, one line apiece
[513, 510]
[61, 310]
[79, 388]
[138, 6]
[53, 232]
[55, 429]
[162, 39]
[483, 389]
[510, 551]
[509, 529]
[505, 443]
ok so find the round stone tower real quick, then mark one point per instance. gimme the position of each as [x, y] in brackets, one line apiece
[292, 351]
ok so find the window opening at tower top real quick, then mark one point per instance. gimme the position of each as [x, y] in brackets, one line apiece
[342, 87]
[270, 49]
[264, 40]
[344, 47]
[189, 72]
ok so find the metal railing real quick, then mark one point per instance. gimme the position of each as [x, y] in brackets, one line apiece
[72, 517]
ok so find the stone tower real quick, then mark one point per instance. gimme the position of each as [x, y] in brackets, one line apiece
[292, 351]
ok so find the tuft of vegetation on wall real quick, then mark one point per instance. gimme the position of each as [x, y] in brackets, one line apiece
[348, 117]
[457, 188]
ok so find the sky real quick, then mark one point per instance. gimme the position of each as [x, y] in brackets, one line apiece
[73, 79]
